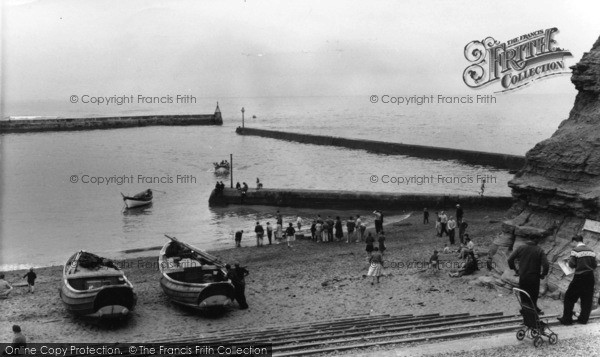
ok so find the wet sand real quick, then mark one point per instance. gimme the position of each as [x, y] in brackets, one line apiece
[308, 282]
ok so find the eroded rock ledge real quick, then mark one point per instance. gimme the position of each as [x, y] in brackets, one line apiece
[559, 186]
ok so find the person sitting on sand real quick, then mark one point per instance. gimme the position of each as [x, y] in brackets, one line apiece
[469, 267]
[446, 249]
[31, 276]
[19, 341]
[434, 260]
[463, 252]
[370, 241]
[259, 185]
[470, 245]
[238, 186]
[5, 287]
[376, 267]
[290, 232]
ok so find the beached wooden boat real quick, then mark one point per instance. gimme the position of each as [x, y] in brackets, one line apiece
[141, 199]
[94, 287]
[192, 277]
[221, 168]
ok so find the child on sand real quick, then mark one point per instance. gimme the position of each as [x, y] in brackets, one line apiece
[31, 276]
[289, 232]
[376, 267]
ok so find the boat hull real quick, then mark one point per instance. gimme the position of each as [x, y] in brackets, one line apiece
[131, 203]
[109, 302]
[203, 296]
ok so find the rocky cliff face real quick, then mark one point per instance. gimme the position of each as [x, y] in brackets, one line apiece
[559, 187]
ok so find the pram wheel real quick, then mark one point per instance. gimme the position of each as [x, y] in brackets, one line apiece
[520, 335]
[553, 338]
[538, 341]
[534, 333]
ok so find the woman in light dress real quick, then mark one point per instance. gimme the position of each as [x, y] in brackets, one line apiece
[376, 265]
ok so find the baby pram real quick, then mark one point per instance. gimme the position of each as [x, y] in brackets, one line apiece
[532, 327]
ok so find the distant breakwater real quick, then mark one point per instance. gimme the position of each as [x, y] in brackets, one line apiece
[65, 124]
[500, 161]
[354, 199]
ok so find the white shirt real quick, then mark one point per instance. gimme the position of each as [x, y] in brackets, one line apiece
[451, 224]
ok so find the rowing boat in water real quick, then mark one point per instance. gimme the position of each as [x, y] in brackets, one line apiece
[193, 278]
[222, 168]
[94, 287]
[141, 199]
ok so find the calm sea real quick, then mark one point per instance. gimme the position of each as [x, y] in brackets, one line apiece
[45, 217]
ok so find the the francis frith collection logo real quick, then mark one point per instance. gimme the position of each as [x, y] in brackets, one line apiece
[515, 63]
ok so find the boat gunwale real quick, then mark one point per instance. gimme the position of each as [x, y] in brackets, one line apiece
[71, 289]
[201, 286]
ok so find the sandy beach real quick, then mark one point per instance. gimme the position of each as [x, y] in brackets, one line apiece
[308, 282]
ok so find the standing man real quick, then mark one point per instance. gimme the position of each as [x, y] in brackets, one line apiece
[444, 223]
[583, 260]
[31, 276]
[238, 279]
[260, 232]
[425, 216]
[330, 225]
[533, 266]
[299, 223]
[238, 238]
[451, 229]
[459, 213]
[378, 224]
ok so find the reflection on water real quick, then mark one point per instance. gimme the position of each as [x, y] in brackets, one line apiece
[44, 208]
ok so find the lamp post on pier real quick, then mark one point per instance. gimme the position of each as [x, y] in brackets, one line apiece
[243, 110]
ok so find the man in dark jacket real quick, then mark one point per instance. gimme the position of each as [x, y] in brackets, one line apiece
[583, 260]
[237, 277]
[533, 266]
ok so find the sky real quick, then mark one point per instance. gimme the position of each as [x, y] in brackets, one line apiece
[54, 48]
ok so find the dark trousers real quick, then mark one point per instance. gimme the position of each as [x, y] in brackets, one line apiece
[378, 226]
[444, 229]
[269, 235]
[240, 295]
[451, 235]
[461, 234]
[531, 285]
[582, 287]
[425, 219]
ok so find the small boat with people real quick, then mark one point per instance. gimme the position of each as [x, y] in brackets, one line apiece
[95, 287]
[222, 167]
[141, 199]
[192, 277]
